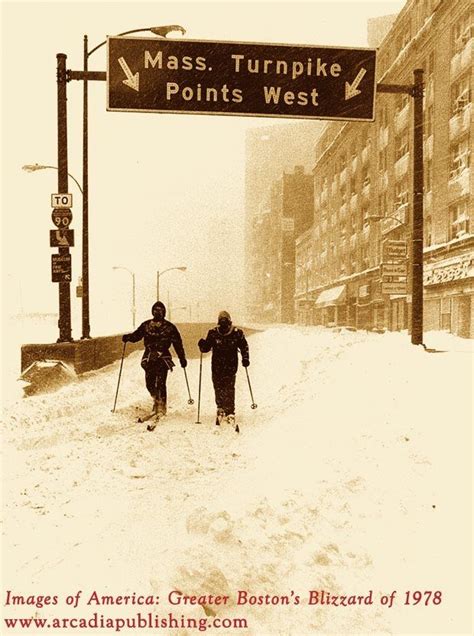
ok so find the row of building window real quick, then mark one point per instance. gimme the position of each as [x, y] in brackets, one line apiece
[462, 33]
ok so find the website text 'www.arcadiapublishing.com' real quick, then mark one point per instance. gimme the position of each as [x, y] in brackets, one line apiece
[117, 624]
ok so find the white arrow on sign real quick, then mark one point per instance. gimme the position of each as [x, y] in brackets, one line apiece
[351, 89]
[132, 80]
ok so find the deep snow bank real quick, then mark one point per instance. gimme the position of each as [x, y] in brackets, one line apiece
[350, 476]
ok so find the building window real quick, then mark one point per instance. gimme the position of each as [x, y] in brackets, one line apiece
[353, 185]
[353, 224]
[343, 193]
[364, 253]
[403, 38]
[459, 219]
[383, 116]
[402, 100]
[341, 163]
[461, 32]
[428, 122]
[459, 158]
[428, 174]
[460, 94]
[401, 145]
[365, 217]
[353, 261]
[427, 226]
[401, 193]
[428, 67]
[365, 177]
[383, 207]
[382, 162]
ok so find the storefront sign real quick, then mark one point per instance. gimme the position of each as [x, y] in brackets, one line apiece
[394, 269]
[398, 288]
[394, 250]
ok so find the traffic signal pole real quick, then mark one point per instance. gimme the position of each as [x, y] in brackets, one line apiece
[64, 323]
[416, 91]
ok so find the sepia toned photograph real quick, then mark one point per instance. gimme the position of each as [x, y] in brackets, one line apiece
[237, 317]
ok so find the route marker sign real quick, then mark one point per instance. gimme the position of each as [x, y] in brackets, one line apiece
[61, 238]
[240, 78]
[61, 217]
[61, 200]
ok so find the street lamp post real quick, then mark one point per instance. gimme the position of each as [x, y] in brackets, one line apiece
[161, 31]
[158, 274]
[132, 274]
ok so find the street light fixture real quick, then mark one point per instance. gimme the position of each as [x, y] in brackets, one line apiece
[373, 217]
[132, 274]
[158, 274]
[37, 166]
[161, 31]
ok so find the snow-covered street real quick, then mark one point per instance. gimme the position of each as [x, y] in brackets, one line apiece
[352, 475]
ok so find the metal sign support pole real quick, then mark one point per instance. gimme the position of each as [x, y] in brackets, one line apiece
[64, 287]
[86, 330]
[416, 91]
[417, 253]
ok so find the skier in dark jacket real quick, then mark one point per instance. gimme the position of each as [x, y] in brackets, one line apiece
[158, 335]
[225, 340]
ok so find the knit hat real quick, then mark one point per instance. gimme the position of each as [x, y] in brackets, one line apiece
[224, 314]
[158, 304]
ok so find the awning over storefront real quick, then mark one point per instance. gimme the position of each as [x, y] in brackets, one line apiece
[333, 296]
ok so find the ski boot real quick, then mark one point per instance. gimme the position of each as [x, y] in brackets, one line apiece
[231, 421]
[153, 412]
[159, 418]
[159, 415]
[220, 416]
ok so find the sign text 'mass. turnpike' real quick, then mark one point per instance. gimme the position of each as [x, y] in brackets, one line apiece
[240, 78]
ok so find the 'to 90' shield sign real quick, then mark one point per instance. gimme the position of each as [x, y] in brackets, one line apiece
[61, 217]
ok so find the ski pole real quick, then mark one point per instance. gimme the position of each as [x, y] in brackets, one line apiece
[190, 401]
[253, 405]
[120, 375]
[199, 390]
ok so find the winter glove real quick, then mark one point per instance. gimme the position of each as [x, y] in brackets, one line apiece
[183, 363]
[126, 337]
[201, 344]
[245, 362]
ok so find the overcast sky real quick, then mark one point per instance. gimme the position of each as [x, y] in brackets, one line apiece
[160, 185]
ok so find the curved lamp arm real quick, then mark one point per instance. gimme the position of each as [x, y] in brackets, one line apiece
[36, 166]
[162, 31]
